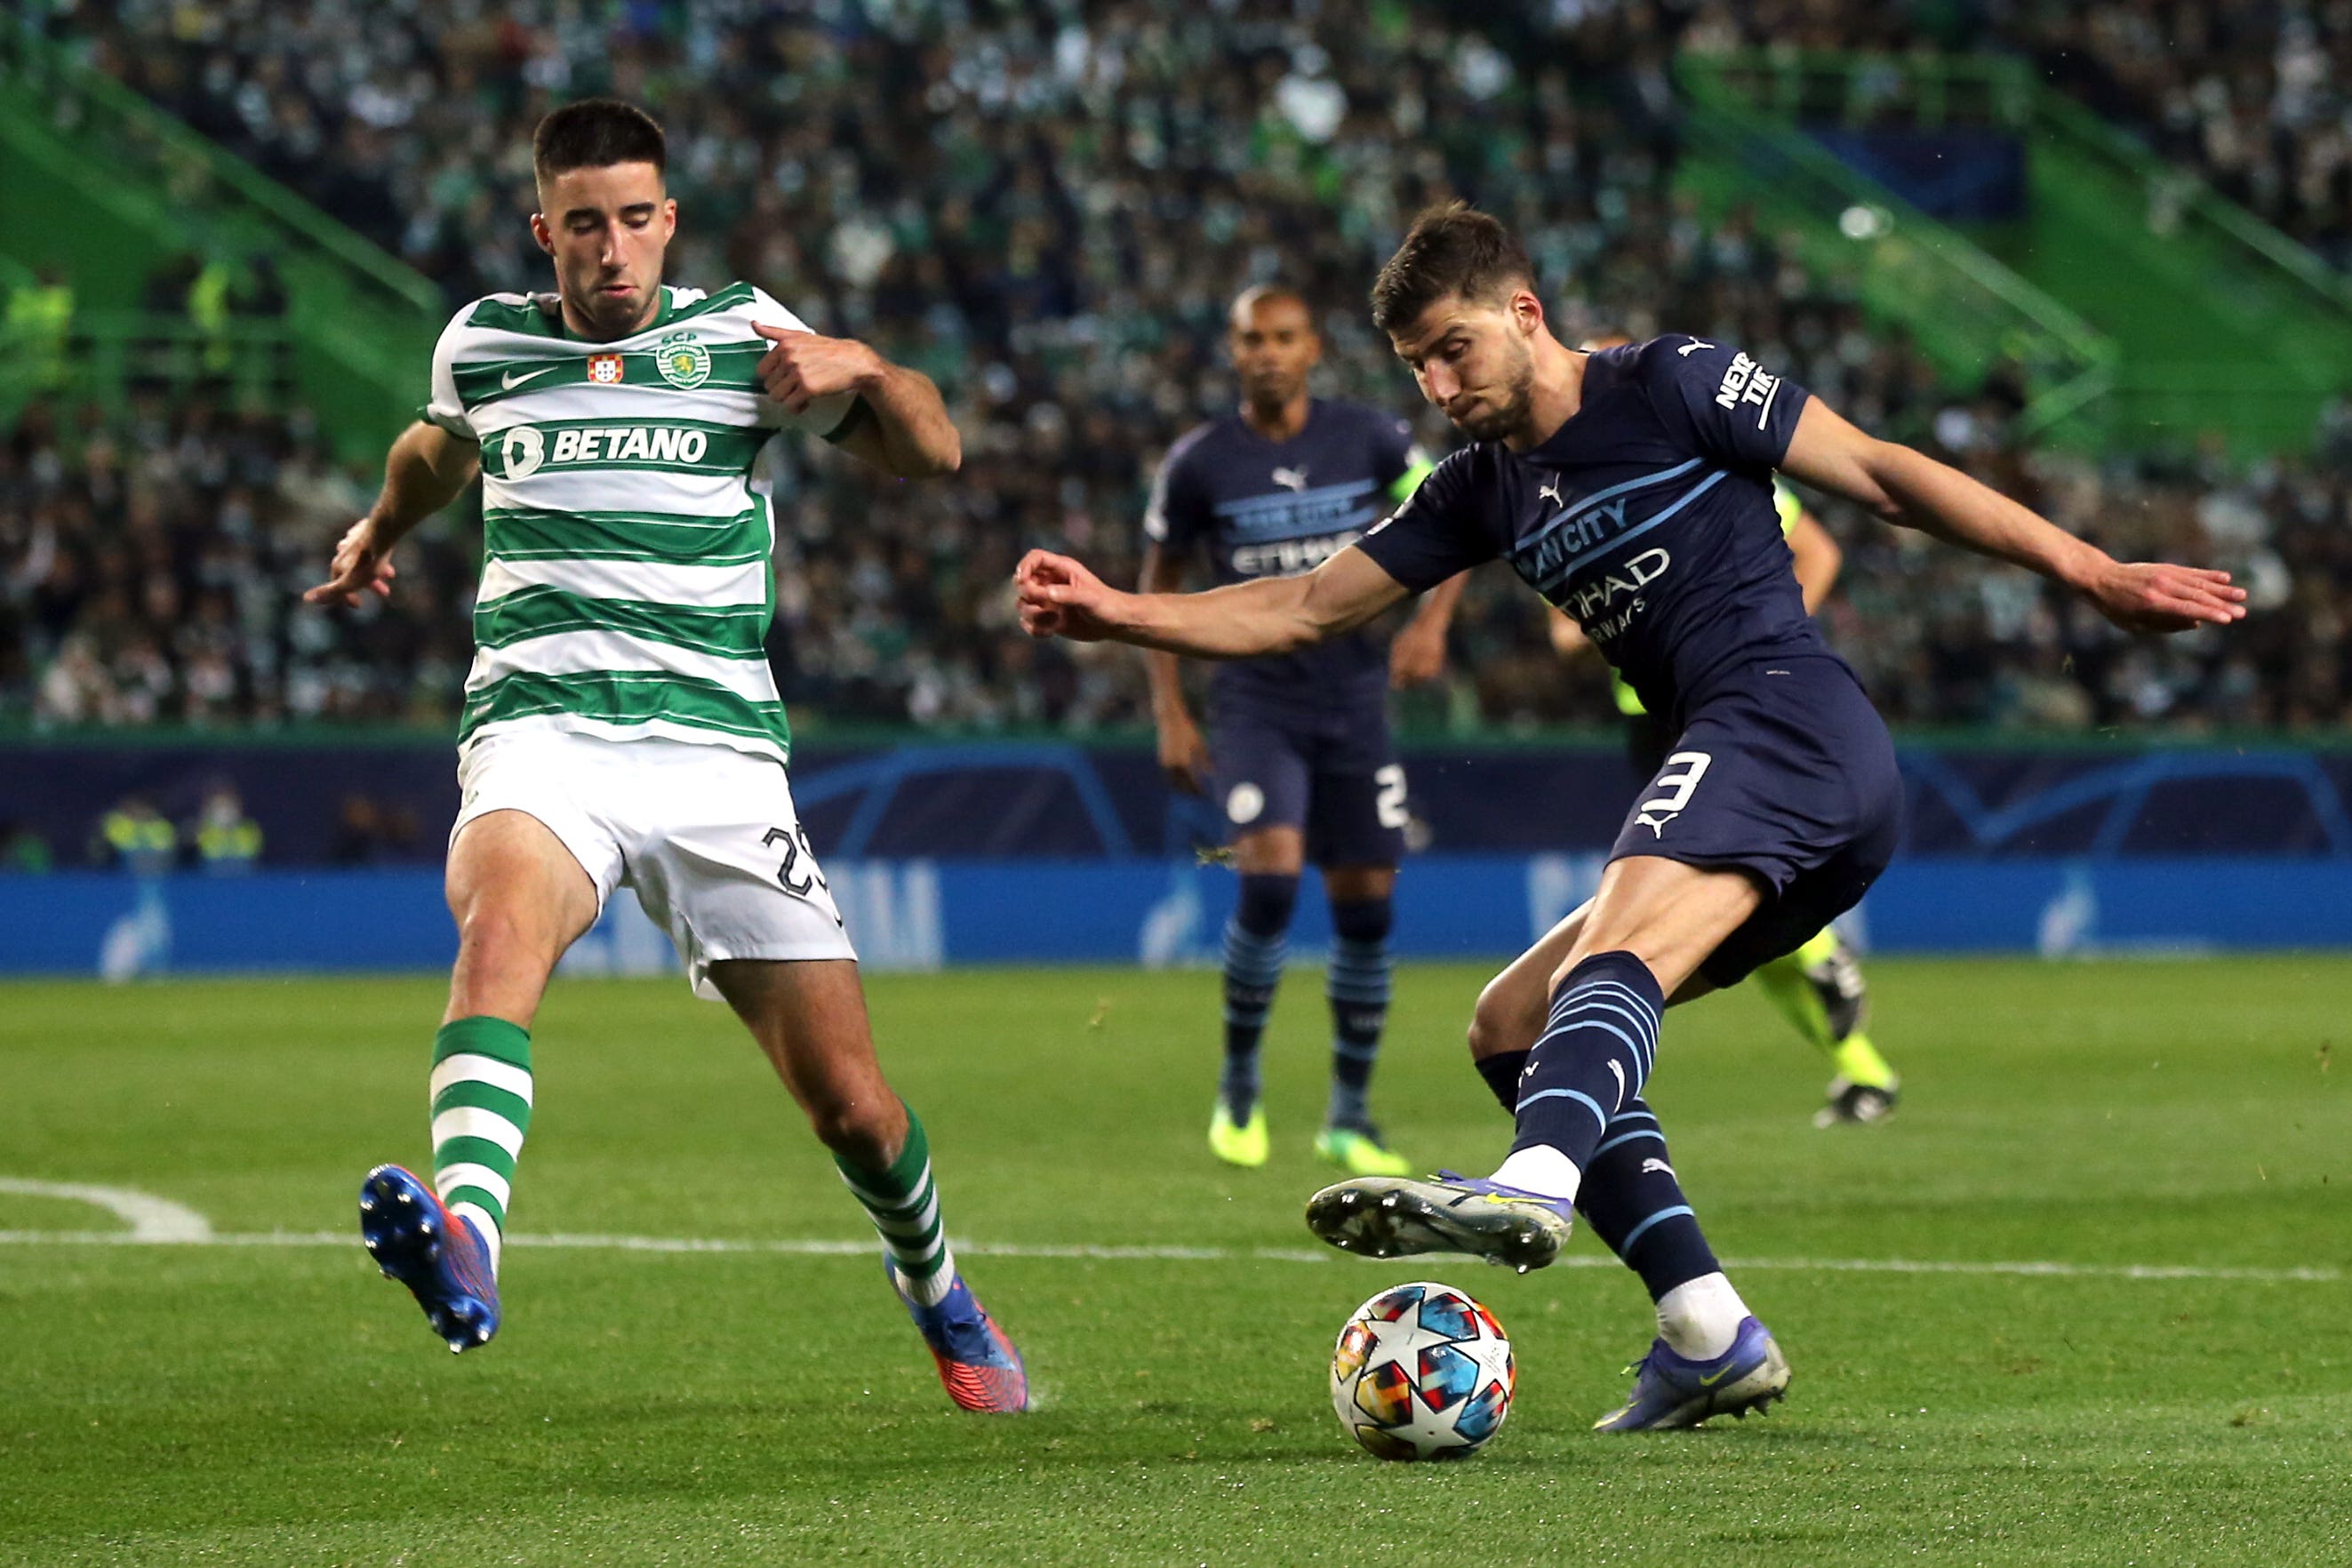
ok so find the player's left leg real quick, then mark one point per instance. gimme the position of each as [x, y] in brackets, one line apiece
[1711, 1355]
[1358, 985]
[810, 1018]
[717, 855]
[1820, 990]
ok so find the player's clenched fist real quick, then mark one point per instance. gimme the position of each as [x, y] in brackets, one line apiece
[804, 367]
[1058, 597]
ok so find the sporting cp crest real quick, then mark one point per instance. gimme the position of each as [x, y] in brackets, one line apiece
[684, 361]
[604, 370]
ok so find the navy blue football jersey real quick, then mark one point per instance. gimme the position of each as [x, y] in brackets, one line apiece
[1648, 517]
[1275, 509]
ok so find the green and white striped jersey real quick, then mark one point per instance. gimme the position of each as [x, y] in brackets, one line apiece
[628, 517]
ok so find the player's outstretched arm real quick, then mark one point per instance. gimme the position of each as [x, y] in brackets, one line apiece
[1059, 597]
[1911, 488]
[424, 471]
[908, 435]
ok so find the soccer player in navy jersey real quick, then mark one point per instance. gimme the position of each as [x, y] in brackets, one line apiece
[1300, 765]
[1632, 489]
[1818, 988]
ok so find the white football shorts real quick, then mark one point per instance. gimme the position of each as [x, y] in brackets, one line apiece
[706, 835]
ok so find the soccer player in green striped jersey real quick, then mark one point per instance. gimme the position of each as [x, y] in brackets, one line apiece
[621, 725]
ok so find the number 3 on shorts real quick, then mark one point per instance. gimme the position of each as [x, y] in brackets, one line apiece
[1674, 784]
[1388, 804]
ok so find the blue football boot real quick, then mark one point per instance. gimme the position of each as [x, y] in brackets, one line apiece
[978, 1365]
[439, 1255]
[1670, 1391]
[1395, 1217]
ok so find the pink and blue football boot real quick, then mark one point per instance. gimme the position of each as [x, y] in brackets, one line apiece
[978, 1365]
[439, 1255]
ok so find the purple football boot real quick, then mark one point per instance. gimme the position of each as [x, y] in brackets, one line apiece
[1670, 1390]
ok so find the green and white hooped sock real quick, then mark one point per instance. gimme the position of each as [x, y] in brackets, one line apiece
[481, 1109]
[904, 1205]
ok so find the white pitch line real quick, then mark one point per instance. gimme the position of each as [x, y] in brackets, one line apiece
[820, 1247]
[151, 1218]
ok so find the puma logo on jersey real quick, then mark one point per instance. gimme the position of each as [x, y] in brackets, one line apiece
[1291, 478]
[1656, 1167]
[1550, 492]
[510, 381]
[1692, 347]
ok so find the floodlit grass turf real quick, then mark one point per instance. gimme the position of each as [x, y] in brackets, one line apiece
[282, 1405]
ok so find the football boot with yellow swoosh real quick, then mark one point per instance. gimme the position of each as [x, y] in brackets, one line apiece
[1670, 1390]
[1396, 1217]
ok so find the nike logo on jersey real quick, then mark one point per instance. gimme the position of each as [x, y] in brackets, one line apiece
[1692, 347]
[510, 381]
[1291, 478]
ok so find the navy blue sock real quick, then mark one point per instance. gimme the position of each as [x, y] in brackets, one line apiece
[1357, 986]
[1502, 1072]
[1592, 1058]
[1254, 943]
[1632, 1201]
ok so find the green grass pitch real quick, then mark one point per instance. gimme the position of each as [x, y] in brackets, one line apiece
[279, 1403]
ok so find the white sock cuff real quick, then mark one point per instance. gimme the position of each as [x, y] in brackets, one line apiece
[1698, 1318]
[1542, 1170]
[929, 1292]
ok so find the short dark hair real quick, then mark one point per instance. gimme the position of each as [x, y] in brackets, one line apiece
[1258, 294]
[595, 133]
[1450, 249]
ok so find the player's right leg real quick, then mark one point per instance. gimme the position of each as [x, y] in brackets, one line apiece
[1645, 934]
[1262, 786]
[519, 898]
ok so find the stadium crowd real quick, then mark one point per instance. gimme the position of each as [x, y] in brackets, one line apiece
[2254, 96]
[151, 571]
[1046, 207]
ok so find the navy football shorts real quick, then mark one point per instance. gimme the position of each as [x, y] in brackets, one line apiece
[1333, 772]
[1787, 773]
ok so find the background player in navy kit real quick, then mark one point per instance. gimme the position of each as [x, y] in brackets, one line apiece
[1632, 489]
[1300, 763]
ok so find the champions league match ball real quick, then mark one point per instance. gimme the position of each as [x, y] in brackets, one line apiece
[1421, 1372]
